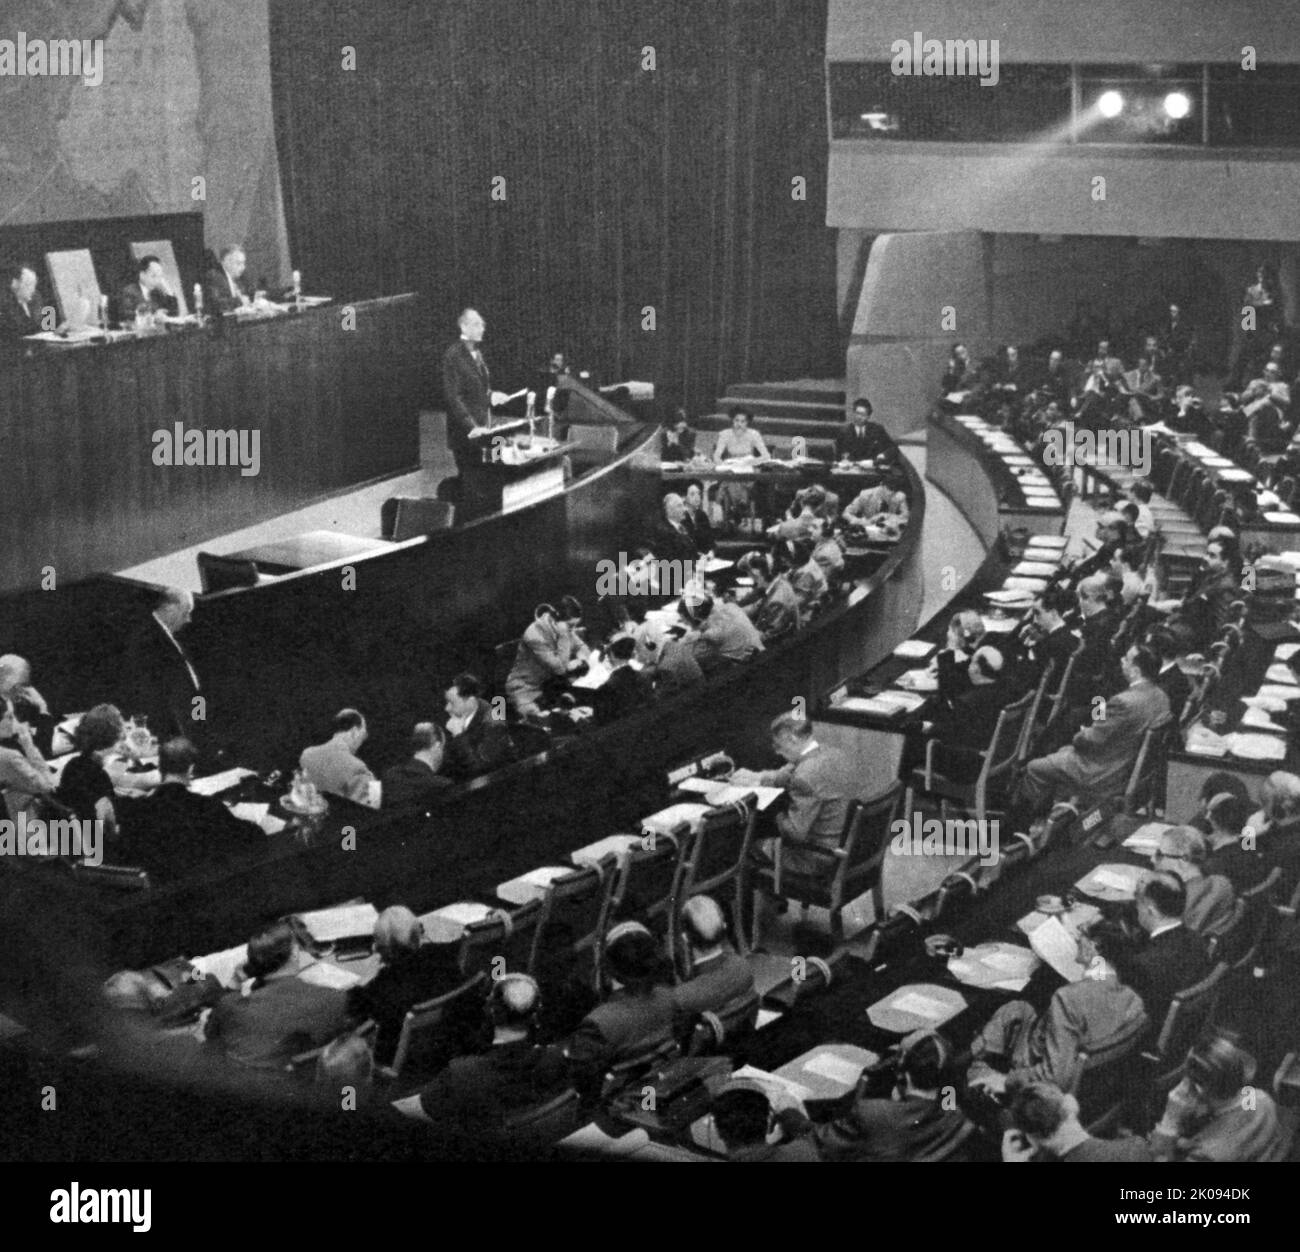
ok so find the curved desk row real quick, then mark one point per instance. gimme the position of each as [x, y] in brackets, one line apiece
[281, 658]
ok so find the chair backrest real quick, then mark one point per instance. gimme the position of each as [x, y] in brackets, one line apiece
[509, 936]
[1189, 1013]
[719, 848]
[1000, 755]
[115, 877]
[1030, 724]
[577, 908]
[1061, 688]
[420, 515]
[424, 1020]
[546, 1123]
[221, 573]
[650, 876]
[866, 832]
[1229, 939]
[1148, 767]
[655, 1053]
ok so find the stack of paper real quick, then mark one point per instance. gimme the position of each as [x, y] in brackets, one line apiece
[914, 649]
[215, 783]
[1145, 839]
[719, 793]
[348, 921]
[1058, 948]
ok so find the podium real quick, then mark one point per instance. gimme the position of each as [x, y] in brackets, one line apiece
[516, 471]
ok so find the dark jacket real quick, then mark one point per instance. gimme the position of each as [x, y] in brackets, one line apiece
[701, 530]
[468, 392]
[1169, 963]
[625, 692]
[911, 1129]
[15, 321]
[864, 443]
[404, 982]
[276, 1021]
[216, 292]
[83, 784]
[475, 1094]
[670, 544]
[411, 784]
[482, 746]
[176, 833]
[133, 297]
[158, 681]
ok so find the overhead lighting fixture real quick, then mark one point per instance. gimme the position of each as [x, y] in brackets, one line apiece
[1178, 105]
[1110, 104]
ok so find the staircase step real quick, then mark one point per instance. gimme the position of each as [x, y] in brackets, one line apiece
[803, 391]
[829, 414]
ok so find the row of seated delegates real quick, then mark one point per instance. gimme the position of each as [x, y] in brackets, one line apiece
[790, 586]
[1205, 1117]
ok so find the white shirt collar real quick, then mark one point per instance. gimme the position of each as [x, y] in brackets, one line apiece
[1169, 925]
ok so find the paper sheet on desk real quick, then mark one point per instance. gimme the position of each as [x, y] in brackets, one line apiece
[1145, 839]
[326, 974]
[914, 649]
[1058, 948]
[1258, 719]
[1284, 651]
[719, 793]
[215, 783]
[261, 814]
[348, 921]
[836, 1068]
[597, 675]
[920, 1006]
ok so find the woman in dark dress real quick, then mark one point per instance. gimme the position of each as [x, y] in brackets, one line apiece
[85, 786]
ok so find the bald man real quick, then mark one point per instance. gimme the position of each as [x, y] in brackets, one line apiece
[160, 679]
[467, 387]
[719, 975]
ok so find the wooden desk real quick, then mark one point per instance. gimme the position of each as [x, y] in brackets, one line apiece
[315, 547]
[331, 407]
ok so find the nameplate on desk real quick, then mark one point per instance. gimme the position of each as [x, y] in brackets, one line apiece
[540, 486]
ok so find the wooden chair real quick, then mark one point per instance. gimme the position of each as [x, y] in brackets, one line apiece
[576, 917]
[725, 1028]
[997, 768]
[1143, 792]
[844, 872]
[717, 857]
[1100, 1083]
[222, 573]
[647, 888]
[423, 1021]
[502, 936]
[1189, 1013]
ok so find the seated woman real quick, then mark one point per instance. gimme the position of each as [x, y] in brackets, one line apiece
[412, 971]
[966, 631]
[24, 775]
[1206, 1117]
[736, 499]
[1099, 1013]
[86, 787]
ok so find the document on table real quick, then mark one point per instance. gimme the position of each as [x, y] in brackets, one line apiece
[914, 649]
[597, 674]
[720, 793]
[348, 921]
[326, 974]
[920, 1006]
[1058, 948]
[667, 820]
[260, 814]
[836, 1068]
[1145, 839]
[215, 783]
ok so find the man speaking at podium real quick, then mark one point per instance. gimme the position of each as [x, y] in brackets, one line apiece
[467, 385]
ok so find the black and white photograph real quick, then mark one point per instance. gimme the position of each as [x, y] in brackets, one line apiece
[627, 582]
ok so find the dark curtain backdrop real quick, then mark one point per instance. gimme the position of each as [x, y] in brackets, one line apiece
[625, 187]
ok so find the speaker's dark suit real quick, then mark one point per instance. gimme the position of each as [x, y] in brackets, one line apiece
[175, 833]
[159, 682]
[17, 321]
[467, 387]
[133, 297]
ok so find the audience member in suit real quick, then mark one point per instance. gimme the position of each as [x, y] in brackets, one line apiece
[29, 705]
[479, 739]
[149, 294]
[745, 1120]
[160, 677]
[1097, 670]
[1206, 1118]
[1099, 758]
[175, 832]
[24, 775]
[819, 784]
[416, 782]
[807, 579]
[951, 665]
[20, 304]
[1206, 608]
[668, 657]
[914, 1123]
[725, 636]
[773, 606]
[1098, 1013]
[550, 653]
[959, 375]
[1173, 957]
[1054, 642]
[881, 505]
[861, 439]
[85, 786]
[720, 976]
[467, 388]
[1169, 644]
[1046, 1127]
[1277, 827]
[672, 538]
[679, 440]
[1241, 865]
[626, 691]
[476, 1095]
[963, 727]
[334, 766]
[226, 289]
[637, 1019]
[1055, 380]
[697, 518]
[1211, 900]
[1113, 534]
[828, 552]
[412, 972]
[283, 1014]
